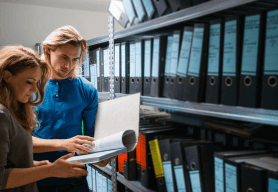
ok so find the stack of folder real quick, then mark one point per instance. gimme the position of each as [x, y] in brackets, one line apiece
[229, 61]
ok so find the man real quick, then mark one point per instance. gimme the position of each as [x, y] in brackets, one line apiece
[69, 100]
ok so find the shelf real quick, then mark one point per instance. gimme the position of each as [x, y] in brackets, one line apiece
[107, 169]
[132, 185]
[255, 115]
[175, 18]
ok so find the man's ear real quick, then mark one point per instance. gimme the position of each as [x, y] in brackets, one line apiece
[7, 76]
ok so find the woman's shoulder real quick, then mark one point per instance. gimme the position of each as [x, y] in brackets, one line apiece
[5, 116]
[4, 111]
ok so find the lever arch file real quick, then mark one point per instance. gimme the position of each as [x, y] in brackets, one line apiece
[270, 71]
[195, 86]
[251, 63]
[148, 45]
[183, 62]
[215, 57]
[231, 60]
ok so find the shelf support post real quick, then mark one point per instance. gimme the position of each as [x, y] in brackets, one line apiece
[112, 93]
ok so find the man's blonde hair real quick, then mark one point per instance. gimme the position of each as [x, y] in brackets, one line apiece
[62, 36]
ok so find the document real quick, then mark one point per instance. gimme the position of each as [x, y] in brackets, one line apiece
[117, 135]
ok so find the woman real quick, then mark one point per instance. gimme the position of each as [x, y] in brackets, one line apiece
[23, 73]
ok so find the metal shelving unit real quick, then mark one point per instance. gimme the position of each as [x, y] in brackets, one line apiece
[132, 185]
[200, 13]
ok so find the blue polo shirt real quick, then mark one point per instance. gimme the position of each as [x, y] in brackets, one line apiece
[67, 102]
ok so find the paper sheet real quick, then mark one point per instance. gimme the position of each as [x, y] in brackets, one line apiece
[118, 115]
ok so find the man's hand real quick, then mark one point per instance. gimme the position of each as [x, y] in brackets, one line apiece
[104, 162]
[74, 144]
[40, 163]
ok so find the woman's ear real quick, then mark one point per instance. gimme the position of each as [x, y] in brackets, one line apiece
[7, 76]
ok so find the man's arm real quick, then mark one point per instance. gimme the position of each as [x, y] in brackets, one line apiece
[73, 144]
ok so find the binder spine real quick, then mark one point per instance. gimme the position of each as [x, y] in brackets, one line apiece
[106, 79]
[149, 7]
[195, 84]
[180, 166]
[215, 59]
[270, 72]
[118, 14]
[147, 66]
[252, 60]
[164, 146]
[162, 7]
[132, 66]
[130, 165]
[231, 65]
[167, 78]
[139, 46]
[99, 61]
[218, 174]
[129, 8]
[94, 180]
[140, 10]
[192, 158]
[231, 177]
[183, 62]
[272, 181]
[157, 164]
[89, 177]
[117, 68]
[174, 62]
[138, 155]
[253, 178]
[121, 164]
[159, 46]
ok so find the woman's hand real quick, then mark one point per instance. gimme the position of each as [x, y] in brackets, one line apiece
[64, 169]
[40, 163]
[75, 144]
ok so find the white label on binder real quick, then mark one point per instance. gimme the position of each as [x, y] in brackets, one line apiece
[230, 178]
[195, 181]
[230, 44]
[155, 62]
[147, 59]
[138, 60]
[168, 55]
[117, 62]
[214, 50]
[180, 178]
[219, 177]
[132, 60]
[271, 44]
[196, 52]
[106, 63]
[250, 45]
[185, 52]
[123, 66]
[167, 167]
[175, 55]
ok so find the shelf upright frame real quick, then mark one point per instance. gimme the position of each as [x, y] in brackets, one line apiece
[112, 93]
